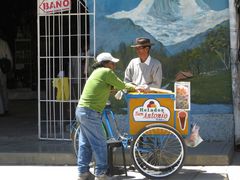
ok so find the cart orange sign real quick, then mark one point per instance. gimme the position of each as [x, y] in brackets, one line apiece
[145, 109]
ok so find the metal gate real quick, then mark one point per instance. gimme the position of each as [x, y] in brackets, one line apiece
[65, 30]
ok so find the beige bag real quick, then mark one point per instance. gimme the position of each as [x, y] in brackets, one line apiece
[194, 139]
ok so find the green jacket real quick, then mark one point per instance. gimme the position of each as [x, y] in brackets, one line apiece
[97, 88]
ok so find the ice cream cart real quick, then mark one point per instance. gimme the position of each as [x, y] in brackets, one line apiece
[158, 122]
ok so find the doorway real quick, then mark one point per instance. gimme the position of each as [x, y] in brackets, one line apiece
[64, 51]
[19, 21]
[19, 28]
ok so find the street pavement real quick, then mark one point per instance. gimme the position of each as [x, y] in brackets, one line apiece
[230, 172]
[70, 173]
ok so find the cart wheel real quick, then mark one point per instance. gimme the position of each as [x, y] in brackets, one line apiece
[76, 137]
[158, 151]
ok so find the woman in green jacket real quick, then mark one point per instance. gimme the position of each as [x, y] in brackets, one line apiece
[95, 94]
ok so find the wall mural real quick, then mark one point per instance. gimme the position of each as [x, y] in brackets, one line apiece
[191, 40]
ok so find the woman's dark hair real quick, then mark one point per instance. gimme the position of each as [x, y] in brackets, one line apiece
[99, 64]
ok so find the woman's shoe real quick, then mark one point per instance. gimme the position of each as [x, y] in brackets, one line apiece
[86, 176]
[102, 177]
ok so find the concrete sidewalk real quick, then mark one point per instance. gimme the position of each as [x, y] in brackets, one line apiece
[230, 172]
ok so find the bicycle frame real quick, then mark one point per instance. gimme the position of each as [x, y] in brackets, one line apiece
[107, 116]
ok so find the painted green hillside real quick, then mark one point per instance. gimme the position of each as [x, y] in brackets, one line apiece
[209, 63]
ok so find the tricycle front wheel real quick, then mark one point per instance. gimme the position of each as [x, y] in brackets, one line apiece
[158, 151]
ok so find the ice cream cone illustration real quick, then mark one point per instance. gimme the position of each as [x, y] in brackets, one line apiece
[182, 116]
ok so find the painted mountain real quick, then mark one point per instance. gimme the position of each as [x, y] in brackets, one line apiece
[110, 32]
[174, 24]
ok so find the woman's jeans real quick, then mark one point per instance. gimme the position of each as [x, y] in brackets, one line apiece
[92, 141]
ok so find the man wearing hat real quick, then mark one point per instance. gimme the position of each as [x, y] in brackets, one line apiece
[144, 70]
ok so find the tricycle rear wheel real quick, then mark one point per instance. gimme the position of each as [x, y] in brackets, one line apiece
[158, 151]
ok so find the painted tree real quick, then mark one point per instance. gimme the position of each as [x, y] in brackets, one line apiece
[218, 42]
[195, 59]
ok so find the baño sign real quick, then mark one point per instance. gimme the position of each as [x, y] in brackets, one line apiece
[54, 6]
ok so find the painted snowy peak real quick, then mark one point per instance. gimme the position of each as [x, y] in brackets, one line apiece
[173, 21]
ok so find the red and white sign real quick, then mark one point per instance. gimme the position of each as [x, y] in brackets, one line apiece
[53, 6]
[151, 111]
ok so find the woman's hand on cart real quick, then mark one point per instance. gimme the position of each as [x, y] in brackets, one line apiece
[120, 93]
